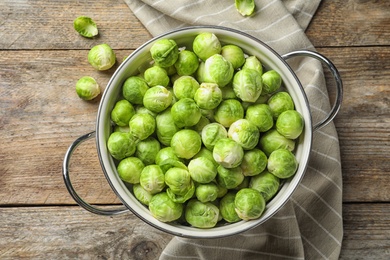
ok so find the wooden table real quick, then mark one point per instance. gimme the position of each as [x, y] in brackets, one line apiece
[42, 57]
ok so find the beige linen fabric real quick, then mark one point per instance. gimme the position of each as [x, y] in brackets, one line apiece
[309, 226]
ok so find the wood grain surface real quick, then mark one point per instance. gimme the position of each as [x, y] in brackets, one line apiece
[42, 57]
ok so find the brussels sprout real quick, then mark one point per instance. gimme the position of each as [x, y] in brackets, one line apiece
[203, 121]
[229, 111]
[185, 112]
[172, 163]
[121, 145]
[143, 110]
[157, 99]
[244, 133]
[280, 102]
[202, 170]
[123, 129]
[252, 62]
[272, 141]
[141, 194]
[266, 183]
[199, 74]
[218, 70]
[201, 215]
[187, 63]
[234, 54]
[261, 116]
[206, 192]
[211, 133]
[205, 45]
[147, 150]
[228, 92]
[229, 178]
[156, 76]
[129, 169]
[271, 81]
[152, 179]
[227, 208]
[178, 180]
[134, 89]
[165, 127]
[101, 57]
[185, 87]
[164, 52]
[208, 96]
[247, 85]
[142, 126]
[254, 162]
[204, 152]
[245, 7]
[164, 154]
[221, 191]
[282, 163]
[87, 88]
[290, 124]
[228, 153]
[85, 26]
[188, 194]
[249, 204]
[122, 112]
[186, 143]
[164, 209]
[243, 184]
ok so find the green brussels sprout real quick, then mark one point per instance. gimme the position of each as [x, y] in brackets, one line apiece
[245, 7]
[201, 215]
[206, 192]
[164, 154]
[101, 57]
[122, 112]
[227, 208]
[186, 143]
[204, 152]
[247, 85]
[252, 62]
[234, 54]
[243, 184]
[87, 88]
[185, 112]
[156, 76]
[254, 162]
[85, 26]
[272, 141]
[282, 163]
[199, 74]
[206, 45]
[121, 145]
[147, 150]
[228, 153]
[280, 102]
[218, 70]
[129, 169]
[142, 126]
[143, 110]
[266, 183]
[290, 124]
[203, 121]
[164, 209]
[165, 127]
[228, 92]
[187, 63]
[172, 163]
[221, 191]
[165, 52]
[261, 116]
[271, 81]
[208, 96]
[134, 89]
[211, 133]
[141, 194]
[202, 169]
[157, 99]
[123, 129]
[185, 87]
[249, 204]
[178, 180]
[188, 194]
[229, 111]
[152, 179]
[229, 178]
[244, 133]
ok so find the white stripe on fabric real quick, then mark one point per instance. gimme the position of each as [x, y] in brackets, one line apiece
[318, 109]
[271, 235]
[300, 11]
[270, 25]
[325, 176]
[315, 248]
[312, 86]
[327, 156]
[139, 8]
[285, 36]
[213, 14]
[185, 6]
[155, 19]
[334, 138]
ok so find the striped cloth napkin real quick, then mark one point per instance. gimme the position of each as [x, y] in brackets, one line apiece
[309, 226]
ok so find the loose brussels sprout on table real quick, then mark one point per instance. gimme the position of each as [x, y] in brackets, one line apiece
[87, 88]
[101, 57]
[85, 26]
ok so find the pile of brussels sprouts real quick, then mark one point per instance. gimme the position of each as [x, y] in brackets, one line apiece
[204, 135]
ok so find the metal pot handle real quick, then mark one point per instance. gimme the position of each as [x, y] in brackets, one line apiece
[70, 188]
[339, 84]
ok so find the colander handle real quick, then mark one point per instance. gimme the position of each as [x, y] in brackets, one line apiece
[339, 84]
[69, 186]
